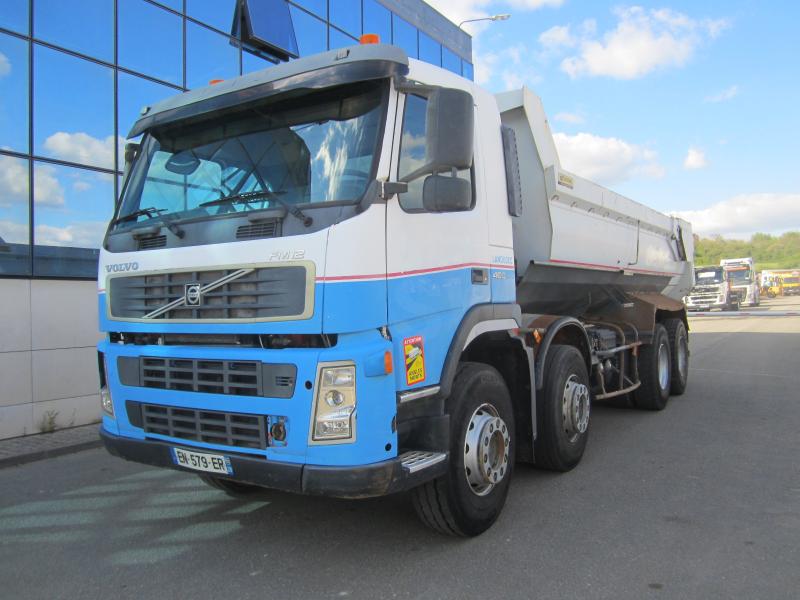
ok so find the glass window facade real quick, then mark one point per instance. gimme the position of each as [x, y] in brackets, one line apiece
[14, 216]
[312, 34]
[209, 55]
[85, 26]
[216, 13]
[404, 34]
[62, 130]
[318, 7]
[346, 15]
[13, 93]
[378, 19]
[15, 15]
[73, 109]
[162, 54]
[429, 49]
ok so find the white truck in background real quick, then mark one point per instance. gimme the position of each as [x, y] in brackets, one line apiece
[742, 275]
[712, 289]
[357, 273]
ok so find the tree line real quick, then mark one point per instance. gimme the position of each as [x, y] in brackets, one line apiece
[768, 251]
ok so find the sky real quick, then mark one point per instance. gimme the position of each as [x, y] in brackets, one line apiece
[692, 108]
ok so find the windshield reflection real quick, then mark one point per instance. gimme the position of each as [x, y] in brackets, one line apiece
[315, 149]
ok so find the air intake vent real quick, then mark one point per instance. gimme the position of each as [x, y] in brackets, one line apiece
[263, 229]
[156, 241]
[211, 427]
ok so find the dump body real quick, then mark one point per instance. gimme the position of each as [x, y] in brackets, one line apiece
[576, 243]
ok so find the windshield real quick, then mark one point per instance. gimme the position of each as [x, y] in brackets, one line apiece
[740, 276]
[312, 149]
[791, 280]
[708, 276]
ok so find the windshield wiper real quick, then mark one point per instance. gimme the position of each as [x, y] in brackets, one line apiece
[149, 212]
[248, 197]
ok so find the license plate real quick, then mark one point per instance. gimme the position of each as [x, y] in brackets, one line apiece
[200, 461]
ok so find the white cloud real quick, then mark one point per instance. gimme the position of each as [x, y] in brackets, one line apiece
[642, 41]
[511, 65]
[557, 37]
[725, 95]
[5, 65]
[14, 233]
[566, 117]
[606, 160]
[81, 186]
[47, 190]
[14, 183]
[743, 215]
[13, 180]
[82, 148]
[87, 234]
[695, 159]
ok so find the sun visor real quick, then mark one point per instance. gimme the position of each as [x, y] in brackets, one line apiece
[336, 67]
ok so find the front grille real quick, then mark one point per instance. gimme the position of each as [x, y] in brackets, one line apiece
[211, 427]
[249, 294]
[241, 378]
[156, 241]
[263, 229]
[237, 377]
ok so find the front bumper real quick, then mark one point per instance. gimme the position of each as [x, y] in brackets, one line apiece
[363, 481]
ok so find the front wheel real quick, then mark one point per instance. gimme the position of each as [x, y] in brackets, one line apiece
[468, 499]
[234, 489]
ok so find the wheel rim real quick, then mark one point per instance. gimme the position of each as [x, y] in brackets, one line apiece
[575, 408]
[683, 356]
[486, 450]
[663, 366]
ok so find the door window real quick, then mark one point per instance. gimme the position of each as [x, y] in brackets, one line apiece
[412, 153]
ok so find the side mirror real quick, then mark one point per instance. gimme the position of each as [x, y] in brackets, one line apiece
[442, 193]
[449, 132]
[131, 152]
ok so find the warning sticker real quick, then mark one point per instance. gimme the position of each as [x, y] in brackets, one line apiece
[414, 352]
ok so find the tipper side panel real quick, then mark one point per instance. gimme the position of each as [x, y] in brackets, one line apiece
[579, 246]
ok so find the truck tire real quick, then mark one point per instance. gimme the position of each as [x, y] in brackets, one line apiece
[234, 489]
[468, 499]
[679, 354]
[562, 410]
[654, 372]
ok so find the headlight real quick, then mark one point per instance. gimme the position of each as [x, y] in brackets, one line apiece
[334, 404]
[105, 393]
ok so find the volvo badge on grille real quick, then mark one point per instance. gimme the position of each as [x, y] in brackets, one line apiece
[192, 294]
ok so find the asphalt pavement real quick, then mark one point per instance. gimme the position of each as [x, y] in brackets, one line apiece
[701, 500]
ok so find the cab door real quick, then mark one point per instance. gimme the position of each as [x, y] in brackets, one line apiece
[437, 263]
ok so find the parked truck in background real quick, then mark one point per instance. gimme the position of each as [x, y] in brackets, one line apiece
[356, 273]
[785, 282]
[712, 289]
[742, 274]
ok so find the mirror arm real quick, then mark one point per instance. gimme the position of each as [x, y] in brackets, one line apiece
[391, 188]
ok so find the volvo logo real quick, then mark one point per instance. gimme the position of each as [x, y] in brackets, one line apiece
[122, 267]
[192, 294]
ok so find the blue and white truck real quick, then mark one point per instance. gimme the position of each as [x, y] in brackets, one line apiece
[355, 274]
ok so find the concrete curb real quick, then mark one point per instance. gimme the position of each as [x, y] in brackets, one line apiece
[31, 448]
[21, 459]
